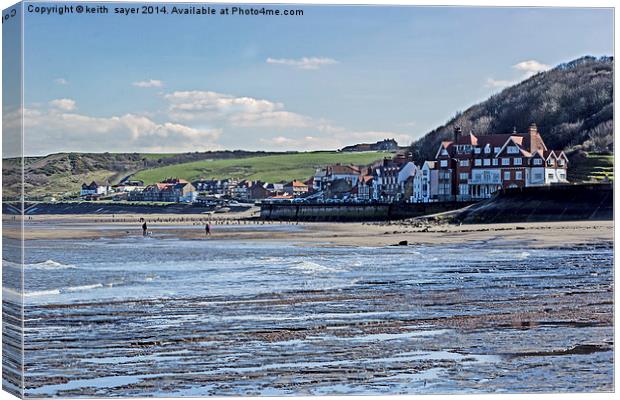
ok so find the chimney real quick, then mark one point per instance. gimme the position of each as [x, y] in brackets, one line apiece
[533, 128]
[457, 133]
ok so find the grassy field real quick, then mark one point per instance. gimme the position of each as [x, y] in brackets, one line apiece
[595, 168]
[275, 168]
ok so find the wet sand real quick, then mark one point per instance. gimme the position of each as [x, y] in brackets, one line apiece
[533, 234]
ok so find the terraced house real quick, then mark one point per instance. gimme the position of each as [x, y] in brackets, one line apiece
[473, 167]
[170, 190]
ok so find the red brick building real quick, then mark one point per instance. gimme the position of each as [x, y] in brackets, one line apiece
[473, 167]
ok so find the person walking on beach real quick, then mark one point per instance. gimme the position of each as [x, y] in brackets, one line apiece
[207, 230]
[144, 228]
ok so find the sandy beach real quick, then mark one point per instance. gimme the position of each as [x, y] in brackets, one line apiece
[239, 227]
[312, 308]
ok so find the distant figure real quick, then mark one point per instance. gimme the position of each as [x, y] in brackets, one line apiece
[207, 229]
[144, 229]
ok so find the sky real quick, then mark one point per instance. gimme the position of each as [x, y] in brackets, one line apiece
[338, 75]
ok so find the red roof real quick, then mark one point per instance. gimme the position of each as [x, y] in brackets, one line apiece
[343, 169]
[365, 178]
[296, 183]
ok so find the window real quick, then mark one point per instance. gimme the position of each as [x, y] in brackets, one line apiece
[463, 176]
[537, 161]
[550, 162]
[497, 149]
[478, 162]
[477, 150]
[517, 161]
[463, 189]
[444, 152]
[506, 175]
[464, 163]
[518, 175]
[487, 149]
[443, 163]
[561, 162]
[505, 161]
[561, 174]
[487, 162]
[513, 150]
[495, 161]
[550, 175]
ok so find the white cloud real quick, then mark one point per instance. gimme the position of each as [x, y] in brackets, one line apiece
[528, 68]
[148, 83]
[304, 62]
[63, 104]
[213, 107]
[498, 83]
[54, 130]
[61, 81]
[531, 67]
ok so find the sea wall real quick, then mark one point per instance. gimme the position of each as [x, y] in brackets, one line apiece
[353, 212]
[541, 204]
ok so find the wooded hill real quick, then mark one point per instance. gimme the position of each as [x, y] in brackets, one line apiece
[572, 105]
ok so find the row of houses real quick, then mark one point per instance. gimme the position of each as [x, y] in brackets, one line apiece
[472, 167]
[180, 190]
[469, 167]
[169, 190]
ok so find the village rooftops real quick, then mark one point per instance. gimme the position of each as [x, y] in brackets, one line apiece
[296, 183]
[527, 143]
[174, 181]
[338, 169]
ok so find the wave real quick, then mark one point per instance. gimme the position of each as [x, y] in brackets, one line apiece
[45, 265]
[15, 294]
[309, 267]
[82, 288]
[9, 293]
[523, 255]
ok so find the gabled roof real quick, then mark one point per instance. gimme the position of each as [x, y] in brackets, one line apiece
[446, 144]
[555, 154]
[366, 178]
[296, 183]
[343, 169]
[470, 139]
[431, 164]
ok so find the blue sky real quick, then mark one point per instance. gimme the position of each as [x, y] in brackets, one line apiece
[332, 77]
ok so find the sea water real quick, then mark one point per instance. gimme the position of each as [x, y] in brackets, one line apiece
[170, 317]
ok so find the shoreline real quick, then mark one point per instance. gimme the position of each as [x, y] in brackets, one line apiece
[529, 234]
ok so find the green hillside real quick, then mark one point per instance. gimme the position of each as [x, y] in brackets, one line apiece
[593, 167]
[274, 168]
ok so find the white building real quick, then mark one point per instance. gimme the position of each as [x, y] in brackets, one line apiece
[94, 189]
